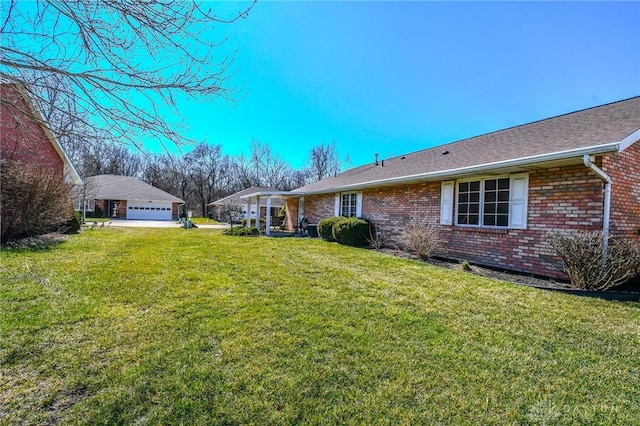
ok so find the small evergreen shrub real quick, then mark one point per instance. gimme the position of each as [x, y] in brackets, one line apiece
[241, 231]
[74, 224]
[325, 227]
[351, 231]
[97, 212]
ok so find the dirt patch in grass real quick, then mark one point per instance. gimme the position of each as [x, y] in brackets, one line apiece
[39, 241]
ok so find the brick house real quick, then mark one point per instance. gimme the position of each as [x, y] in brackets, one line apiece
[25, 138]
[495, 196]
[125, 197]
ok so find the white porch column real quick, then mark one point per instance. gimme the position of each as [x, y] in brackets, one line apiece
[258, 212]
[248, 213]
[267, 229]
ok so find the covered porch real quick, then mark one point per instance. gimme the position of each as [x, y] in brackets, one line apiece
[264, 198]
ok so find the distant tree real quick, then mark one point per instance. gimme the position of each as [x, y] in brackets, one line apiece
[165, 172]
[109, 158]
[207, 174]
[115, 61]
[230, 212]
[269, 169]
[323, 162]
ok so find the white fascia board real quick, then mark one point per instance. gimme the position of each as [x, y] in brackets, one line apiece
[274, 194]
[629, 140]
[452, 173]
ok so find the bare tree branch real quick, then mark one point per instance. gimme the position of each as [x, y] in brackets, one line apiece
[115, 63]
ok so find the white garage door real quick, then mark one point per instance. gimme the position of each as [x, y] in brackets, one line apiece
[148, 211]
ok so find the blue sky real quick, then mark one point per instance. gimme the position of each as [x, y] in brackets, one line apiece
[396, 77]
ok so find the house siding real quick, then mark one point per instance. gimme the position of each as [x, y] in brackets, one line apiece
[560, 198]
[22, 138]
[624, 172]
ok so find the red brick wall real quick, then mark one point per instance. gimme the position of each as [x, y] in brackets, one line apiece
[624, 170]
[560, 198]
[318, 207]
[22, 139]
[291, 206]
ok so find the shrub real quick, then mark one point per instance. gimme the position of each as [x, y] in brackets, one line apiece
[351, 231]
[376, 239]
[325, 227]
[97, 212]
[33, 201]
[253, 220]
[242, 231]
[74, 224]
[581, 256]
[422, 238]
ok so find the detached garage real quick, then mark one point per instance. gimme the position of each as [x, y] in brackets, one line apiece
[126, 197]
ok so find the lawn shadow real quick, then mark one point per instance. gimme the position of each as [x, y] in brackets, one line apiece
[36, 243]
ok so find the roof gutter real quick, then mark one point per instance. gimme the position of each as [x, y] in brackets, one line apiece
[445, 174]
[606, 206]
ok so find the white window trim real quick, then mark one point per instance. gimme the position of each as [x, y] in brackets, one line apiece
[521, 202]
[447, 201]
[338, 203]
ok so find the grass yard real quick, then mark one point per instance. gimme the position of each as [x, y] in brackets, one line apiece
[168, 326]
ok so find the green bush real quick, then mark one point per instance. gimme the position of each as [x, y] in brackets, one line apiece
[351, 232]
[97, 212]
[242, 231]
[253, 220]
[325, 227]
[74, 224]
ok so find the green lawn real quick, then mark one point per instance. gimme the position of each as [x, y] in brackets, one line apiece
[170, 326]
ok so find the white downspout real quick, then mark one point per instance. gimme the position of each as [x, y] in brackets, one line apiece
[607, 202]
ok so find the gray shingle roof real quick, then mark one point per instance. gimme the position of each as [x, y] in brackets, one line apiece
[593, 127]
[113, 187]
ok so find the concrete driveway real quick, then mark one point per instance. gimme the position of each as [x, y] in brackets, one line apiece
[156, 224]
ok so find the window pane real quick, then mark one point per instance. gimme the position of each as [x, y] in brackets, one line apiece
[463, 219]
[490, 197]
[489, 220]
[490, 185]
[474, 197]
[473, 219]
[503, 220]
[463, 208]
[489, 208]
[464, 187]
[503, 183]
[475, 185]
[463, 198]
[503, 196]
[503, 208]
[474, 208]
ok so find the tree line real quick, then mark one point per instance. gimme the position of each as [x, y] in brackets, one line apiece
[205, 174]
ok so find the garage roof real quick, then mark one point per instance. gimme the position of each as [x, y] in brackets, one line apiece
[114, 187]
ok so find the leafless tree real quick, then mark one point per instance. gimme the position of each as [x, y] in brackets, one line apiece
[230, 211]
[270, 170]
[323, 162]
[116, 62]
[207, 172]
